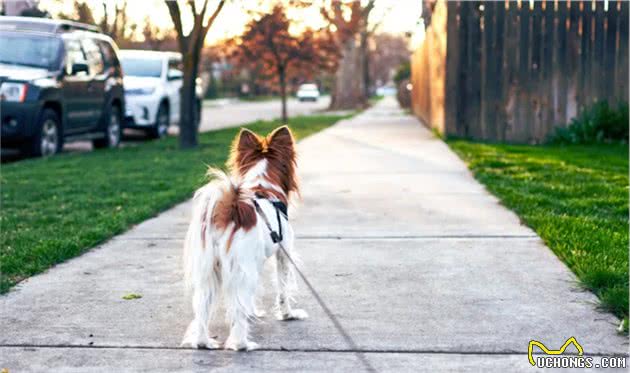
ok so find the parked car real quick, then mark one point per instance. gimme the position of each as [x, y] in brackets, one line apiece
[153, 81]
[59, 81]
[308, 92]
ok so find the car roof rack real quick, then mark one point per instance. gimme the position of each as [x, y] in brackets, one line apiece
[71, 25]
[44, 25]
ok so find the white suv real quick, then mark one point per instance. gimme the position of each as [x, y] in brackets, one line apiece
[153, 81]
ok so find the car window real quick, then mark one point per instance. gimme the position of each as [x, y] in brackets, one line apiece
[175, 64]
[142, 67]
[109, 55]
[175, 69]
[29, 50]
[93, 56]
[74, 54]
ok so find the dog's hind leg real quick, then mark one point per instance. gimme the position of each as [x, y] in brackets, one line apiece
[197, 334]
[205, 288]
[240, 284]
[286, 284]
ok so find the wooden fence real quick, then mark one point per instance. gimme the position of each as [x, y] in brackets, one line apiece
[512, 71]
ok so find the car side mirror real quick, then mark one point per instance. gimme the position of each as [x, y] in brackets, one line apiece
[79, 67]
[174, 75]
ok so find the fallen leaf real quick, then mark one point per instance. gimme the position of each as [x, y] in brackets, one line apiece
[131, 296]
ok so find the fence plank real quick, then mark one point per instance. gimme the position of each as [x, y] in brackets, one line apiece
[622, 64]
[573, 59]
[473, 73]
[489, 76]
[524, 116]
[597, 63]
[510, 70]
[453, 81]
[559, 64]
[545, 85]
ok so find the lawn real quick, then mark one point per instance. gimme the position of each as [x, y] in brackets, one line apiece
[57, 208]
[575, 197]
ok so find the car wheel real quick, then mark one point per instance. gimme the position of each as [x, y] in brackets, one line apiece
[48, 138]
[112, 132]
[160, 128]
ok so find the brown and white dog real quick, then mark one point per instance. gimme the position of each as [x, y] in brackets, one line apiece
[228, 240]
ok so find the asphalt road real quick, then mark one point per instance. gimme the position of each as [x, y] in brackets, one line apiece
[230, 113]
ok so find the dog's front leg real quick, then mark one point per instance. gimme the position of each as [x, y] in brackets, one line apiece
[286, 285]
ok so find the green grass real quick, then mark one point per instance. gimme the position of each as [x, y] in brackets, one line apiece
[575, 197]
[55, 209]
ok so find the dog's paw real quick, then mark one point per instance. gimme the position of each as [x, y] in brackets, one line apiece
[296, 314]
[241, 345]
[204, 343]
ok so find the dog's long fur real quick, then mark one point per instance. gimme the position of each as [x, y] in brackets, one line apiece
[227, 242]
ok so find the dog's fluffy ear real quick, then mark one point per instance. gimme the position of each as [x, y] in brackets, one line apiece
[245, 146]
[247, 140]
[281, 137]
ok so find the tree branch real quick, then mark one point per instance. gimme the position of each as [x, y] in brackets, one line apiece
[176, 16]
[213, 17]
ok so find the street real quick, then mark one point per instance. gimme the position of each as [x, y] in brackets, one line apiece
[230, 113]
[216, 114]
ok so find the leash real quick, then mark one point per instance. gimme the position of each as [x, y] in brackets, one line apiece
[277, 239]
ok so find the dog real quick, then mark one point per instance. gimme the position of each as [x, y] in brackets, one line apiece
[230, 238]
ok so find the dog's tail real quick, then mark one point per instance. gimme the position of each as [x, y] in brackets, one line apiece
[198, 245]
[220, 207]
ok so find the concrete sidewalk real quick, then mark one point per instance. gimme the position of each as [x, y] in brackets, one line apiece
[423, 268]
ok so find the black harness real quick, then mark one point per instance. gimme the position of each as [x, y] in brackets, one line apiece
[281, 208]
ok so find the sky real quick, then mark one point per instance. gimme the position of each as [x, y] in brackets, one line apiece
[394, 16]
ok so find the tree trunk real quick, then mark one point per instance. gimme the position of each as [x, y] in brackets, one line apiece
[365, 60]
[187, 124]
[283, 94]
[348, 91]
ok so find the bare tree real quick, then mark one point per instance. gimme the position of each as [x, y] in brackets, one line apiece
[116, 25]
[190, 46]
[349, 21]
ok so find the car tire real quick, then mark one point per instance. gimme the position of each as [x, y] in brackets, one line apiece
[112, 132]
[48, 139]
[162, 122]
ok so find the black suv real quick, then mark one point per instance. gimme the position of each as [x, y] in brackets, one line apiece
[59, 81]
